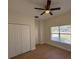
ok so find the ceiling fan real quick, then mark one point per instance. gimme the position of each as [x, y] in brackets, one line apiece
[47, 8]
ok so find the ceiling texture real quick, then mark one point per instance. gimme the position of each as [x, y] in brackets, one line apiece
[25, 8]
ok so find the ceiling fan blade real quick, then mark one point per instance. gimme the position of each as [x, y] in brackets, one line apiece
[48, 4]
[55, 8]
[42, 13]
[40, 8]
[50, 13]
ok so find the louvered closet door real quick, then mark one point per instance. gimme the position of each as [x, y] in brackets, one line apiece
[19, 39]
[11, 41]
[25, 36]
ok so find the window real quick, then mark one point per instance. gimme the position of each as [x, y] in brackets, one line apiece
[55, 33]
[61, 34]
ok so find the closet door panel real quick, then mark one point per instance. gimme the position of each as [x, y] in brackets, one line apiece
[11, 41]
[25, 39]
[18, 41]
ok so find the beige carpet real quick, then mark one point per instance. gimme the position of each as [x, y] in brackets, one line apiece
[45, 52]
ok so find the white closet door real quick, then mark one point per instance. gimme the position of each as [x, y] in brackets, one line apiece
[11, 41]
[25, 39]
[19, 39]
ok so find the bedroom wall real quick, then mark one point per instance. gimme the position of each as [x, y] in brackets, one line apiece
[64, 19]
[42, 32]
[39, 28]
[37, 31]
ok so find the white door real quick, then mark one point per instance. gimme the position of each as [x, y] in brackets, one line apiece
[25, 36]
[19, 39]
[11, 41]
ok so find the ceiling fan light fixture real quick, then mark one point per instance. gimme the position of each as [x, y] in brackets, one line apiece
[47, 11]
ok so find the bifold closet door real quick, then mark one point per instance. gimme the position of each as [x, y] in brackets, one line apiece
[19, 39]
[11, 41]
[25, 36]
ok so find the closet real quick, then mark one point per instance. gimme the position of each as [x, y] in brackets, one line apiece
[19, 39]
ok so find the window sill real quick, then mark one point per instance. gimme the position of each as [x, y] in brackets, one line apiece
[61, 42]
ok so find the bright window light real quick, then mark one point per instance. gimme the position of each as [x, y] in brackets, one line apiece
[61, 34]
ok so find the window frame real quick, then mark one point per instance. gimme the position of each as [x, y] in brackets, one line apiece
[62, 33]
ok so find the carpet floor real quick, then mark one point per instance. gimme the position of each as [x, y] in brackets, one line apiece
[45, 52]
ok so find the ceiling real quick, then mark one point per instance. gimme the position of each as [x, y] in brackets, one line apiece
[25, 8]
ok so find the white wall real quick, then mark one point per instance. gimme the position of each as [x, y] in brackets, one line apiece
[37, 31]
[64, 19]
[42, 32]
[39, 28]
